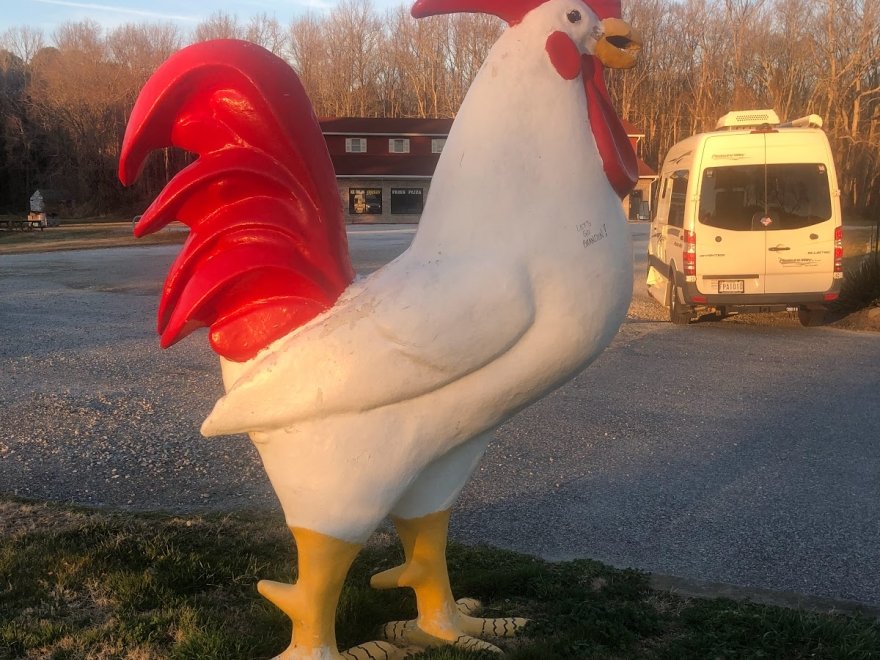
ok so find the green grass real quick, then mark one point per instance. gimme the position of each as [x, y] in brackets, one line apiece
[81, 584]
[861, 285]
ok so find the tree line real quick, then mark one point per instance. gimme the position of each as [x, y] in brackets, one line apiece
[64, 99]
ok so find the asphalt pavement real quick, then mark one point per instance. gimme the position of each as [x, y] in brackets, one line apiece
[723, 452]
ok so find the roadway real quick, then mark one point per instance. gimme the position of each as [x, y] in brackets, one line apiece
[733, 452]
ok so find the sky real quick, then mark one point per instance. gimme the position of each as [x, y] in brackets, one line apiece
[47, 15]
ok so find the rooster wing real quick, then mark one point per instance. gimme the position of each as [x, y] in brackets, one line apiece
[400, 334]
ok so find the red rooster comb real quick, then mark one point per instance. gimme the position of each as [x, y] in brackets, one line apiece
[511, 11]
[267, 249]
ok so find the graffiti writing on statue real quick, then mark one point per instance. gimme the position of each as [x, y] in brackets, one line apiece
[589, 235]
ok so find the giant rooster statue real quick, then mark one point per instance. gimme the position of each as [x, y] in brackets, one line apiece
[375, 397]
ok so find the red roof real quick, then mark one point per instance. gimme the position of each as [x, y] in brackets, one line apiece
[645, 170]
[631, 129]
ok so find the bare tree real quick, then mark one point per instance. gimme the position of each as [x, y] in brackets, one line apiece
[420, 51]
[471, 37]
[142, 47]
[267, 32]
[16, 134]
[86, 37]
[353, 33]
[787, 57]
[849, 87]
[23, 41]
[744, 23]
[219, 25]
[309, 55]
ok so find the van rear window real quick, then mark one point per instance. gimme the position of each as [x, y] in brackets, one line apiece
[765, 197]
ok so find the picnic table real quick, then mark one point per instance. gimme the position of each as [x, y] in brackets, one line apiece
[21, 224]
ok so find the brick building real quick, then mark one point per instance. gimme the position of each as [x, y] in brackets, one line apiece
[384, 166]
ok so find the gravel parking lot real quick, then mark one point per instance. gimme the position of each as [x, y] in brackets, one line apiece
[734, 452]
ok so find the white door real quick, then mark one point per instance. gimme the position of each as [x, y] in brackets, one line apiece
[800, 233]
[730, 244]
[658, 259]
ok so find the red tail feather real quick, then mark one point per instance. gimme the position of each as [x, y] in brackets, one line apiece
[267, 249]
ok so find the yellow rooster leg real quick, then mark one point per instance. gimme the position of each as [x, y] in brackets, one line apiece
[442, 620]
[323, 563]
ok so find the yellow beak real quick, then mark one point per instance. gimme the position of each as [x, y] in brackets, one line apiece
[620, 45]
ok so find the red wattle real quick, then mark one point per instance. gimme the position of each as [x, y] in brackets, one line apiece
[564, 55]
[615, 148]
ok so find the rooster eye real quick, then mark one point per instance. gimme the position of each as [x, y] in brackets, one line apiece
[574, 16]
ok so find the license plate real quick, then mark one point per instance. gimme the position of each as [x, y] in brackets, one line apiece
[731, 286]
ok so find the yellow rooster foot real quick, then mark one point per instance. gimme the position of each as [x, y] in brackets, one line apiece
[311, 603]
[442, 620]
[464, 633]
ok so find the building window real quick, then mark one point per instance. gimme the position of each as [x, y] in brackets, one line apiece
[407, 200]
[437, 145]
[365, 201]
[355, 145]
[398, 146]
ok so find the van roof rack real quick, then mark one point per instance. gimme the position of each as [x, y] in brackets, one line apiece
[747, 119]
[810, 121]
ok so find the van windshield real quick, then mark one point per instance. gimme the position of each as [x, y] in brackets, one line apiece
[765, 197]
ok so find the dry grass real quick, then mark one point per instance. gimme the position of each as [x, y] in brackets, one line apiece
[84, 236]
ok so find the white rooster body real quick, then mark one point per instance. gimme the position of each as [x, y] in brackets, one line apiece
[518, 276]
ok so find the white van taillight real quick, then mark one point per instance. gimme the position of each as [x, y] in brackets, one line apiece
[690, 254]
[838, 253]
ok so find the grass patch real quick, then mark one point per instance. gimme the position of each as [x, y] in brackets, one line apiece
[79, 237]
[85, 584]
[861, 286]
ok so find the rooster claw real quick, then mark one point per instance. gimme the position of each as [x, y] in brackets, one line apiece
[408, 632]
[467, 630]
[492, 627]
[379, 651]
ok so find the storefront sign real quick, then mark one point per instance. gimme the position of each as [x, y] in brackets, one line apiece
[365, 201]
[407, 200]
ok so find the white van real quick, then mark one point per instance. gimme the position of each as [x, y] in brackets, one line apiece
[748, 218]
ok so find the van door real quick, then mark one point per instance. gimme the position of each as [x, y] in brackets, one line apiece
[677, 189]
[800, 231]
[666, 241]
[730, 246]
[656, 245]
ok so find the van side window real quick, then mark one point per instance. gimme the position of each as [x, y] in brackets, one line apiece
[658, 214]
[678, 198]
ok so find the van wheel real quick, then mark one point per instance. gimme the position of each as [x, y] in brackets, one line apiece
[679, 314]
[811, 317]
